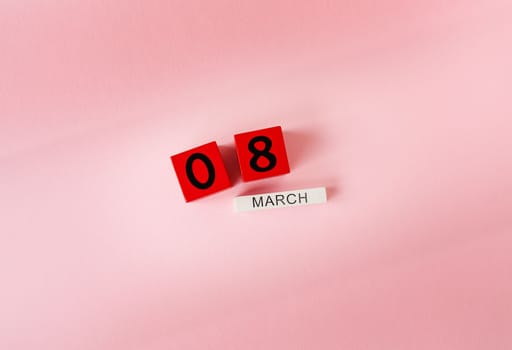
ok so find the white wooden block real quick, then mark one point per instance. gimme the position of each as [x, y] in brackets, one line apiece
[281, 199]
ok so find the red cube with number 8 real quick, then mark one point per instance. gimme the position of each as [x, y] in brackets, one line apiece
[262, 153]
[201, 171]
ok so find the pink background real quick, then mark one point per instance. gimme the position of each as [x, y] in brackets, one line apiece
[401, 108]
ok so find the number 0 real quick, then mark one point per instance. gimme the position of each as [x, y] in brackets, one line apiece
[190, 172]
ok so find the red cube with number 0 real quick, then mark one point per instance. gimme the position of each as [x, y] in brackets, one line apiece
[201, 171]
[262, 153]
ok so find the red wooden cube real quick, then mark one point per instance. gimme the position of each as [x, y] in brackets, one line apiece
[262, 153]
[201, 171]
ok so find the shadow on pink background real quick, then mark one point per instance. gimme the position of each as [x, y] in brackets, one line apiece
[401, 109]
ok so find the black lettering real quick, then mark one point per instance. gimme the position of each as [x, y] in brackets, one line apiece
[288, 198]
[280, 198]
[257, 203]
[305, 197]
